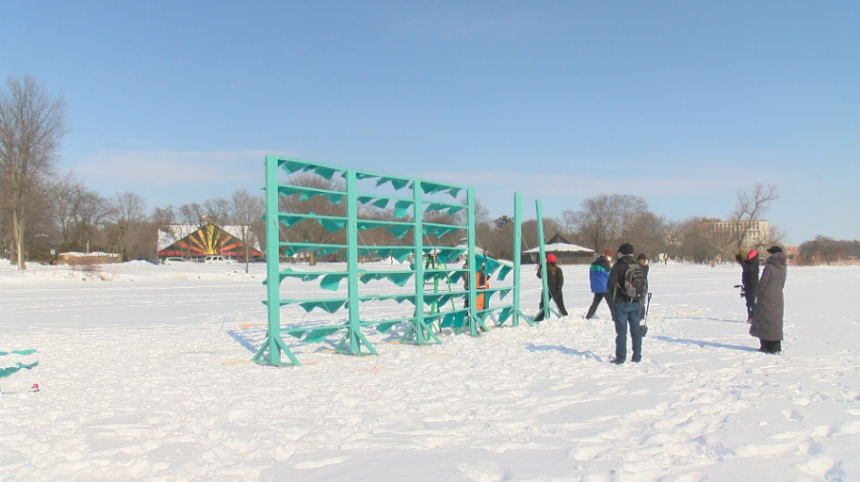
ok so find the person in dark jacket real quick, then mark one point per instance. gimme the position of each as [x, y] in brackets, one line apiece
[554, 282]
[749, 278]
[624, 310]
[598, 274]
[770, 305]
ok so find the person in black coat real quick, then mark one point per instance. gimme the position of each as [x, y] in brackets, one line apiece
[554, 282]
[749, 278]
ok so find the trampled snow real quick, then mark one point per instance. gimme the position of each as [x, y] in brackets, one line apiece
[144, 375]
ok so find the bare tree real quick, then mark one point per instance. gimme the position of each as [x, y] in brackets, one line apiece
[41, 227]
[78, 211]
[824, 248]
[529, 231]
[32, 123]
[165, 216]
[694, 240]
[246, 211]
[192, 214]
[451, 238]
[501, 243]
[594, 222]
[91, 213]
[628, 214]
[379, 235]
[129, 215]
[647, 233]
[218, 211]
[310, 229]
[64, 194]
[482, 213]
[750, 208]
[612, 219]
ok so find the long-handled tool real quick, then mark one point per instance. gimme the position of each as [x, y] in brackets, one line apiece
[644, 327]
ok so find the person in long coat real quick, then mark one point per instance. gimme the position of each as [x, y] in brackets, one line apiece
[770, 303]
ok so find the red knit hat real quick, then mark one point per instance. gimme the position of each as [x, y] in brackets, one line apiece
[609, 253]
[551, 258]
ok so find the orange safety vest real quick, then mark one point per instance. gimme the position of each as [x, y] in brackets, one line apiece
[481, 283]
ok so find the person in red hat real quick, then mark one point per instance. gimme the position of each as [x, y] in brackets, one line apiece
[749, 278]
[554, 282]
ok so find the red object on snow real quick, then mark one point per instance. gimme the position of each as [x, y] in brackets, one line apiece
[35, 387]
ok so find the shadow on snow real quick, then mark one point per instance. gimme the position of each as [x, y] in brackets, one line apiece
[702, 344]
[567, 351]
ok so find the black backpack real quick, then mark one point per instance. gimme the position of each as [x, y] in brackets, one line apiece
[635, 284]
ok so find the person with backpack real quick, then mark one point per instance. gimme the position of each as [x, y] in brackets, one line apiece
[749, 278]
[554, 282]
[626, 289]
[598, 275]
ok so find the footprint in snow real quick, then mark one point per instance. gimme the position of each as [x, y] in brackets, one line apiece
[483, 471]
[314, 464]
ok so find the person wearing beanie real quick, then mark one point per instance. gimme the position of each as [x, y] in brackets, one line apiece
[625, 249]
[767, 322]
[642, 259]
[598, 274]
[749, 278]
[554, 282]
[626, 306]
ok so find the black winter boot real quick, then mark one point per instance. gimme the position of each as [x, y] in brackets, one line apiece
[771, 347]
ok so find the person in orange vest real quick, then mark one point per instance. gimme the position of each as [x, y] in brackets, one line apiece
[554, 282]
[482, 282]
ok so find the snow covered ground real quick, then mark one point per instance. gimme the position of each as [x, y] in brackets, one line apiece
[144, 375]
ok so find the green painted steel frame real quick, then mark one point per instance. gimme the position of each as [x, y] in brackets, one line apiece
[420, 331]
[270, 350]
[547, 309]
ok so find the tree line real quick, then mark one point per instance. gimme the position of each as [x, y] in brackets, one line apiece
[826, 250]
[42, 209]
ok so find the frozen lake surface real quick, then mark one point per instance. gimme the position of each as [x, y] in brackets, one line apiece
[144, 375]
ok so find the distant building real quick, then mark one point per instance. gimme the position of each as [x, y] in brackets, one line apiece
[190, 241]
[565, 251]
[757, 231]
[75, 258]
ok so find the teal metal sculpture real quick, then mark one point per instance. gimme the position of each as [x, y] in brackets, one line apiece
[6, 371]
[423, 200]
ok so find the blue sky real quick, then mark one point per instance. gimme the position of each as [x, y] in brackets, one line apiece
[683, 103]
